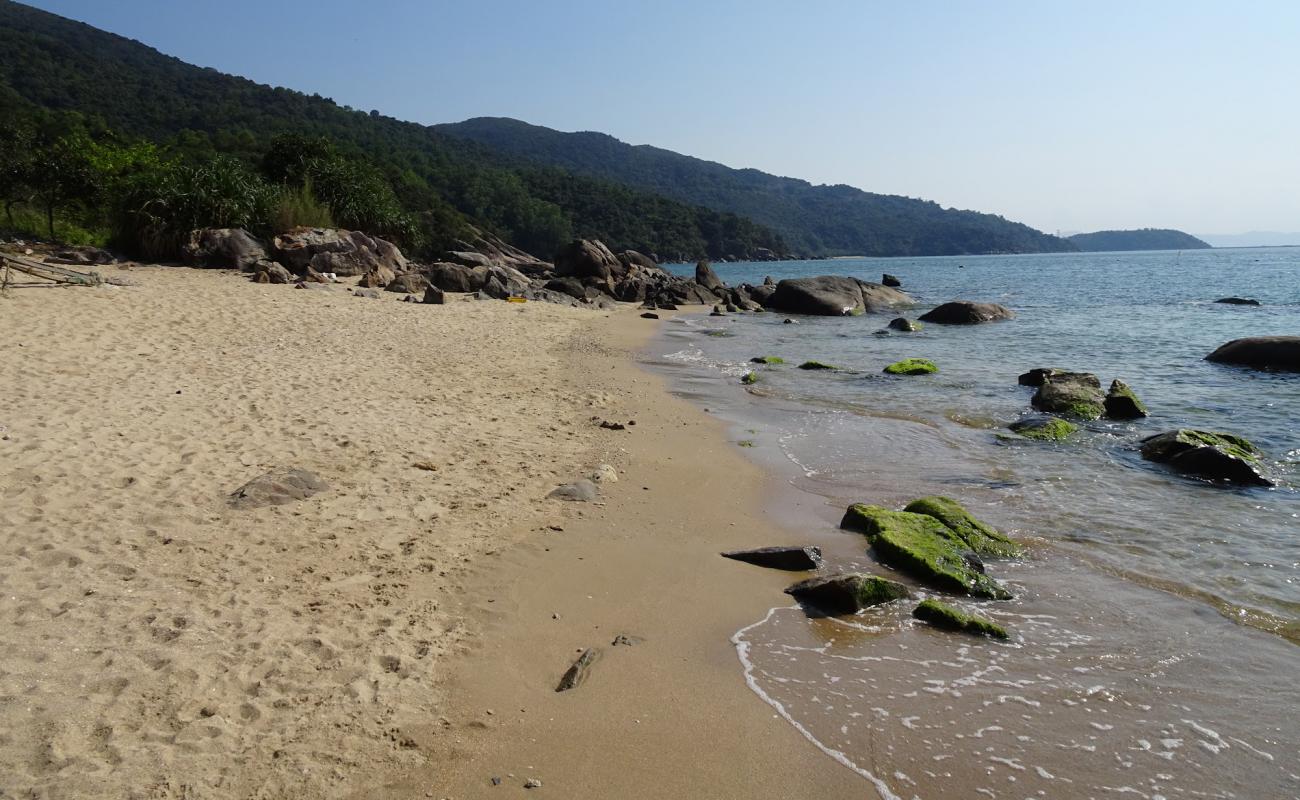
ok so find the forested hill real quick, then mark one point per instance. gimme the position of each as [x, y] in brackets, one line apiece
[820, 220]
[58, 72]
[1142, 239]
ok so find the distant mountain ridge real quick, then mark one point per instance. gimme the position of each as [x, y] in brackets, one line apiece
[1140, 239]
[1252, 239]
[813, 220]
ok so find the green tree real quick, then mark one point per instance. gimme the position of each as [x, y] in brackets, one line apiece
[16, 144]
[63, 173]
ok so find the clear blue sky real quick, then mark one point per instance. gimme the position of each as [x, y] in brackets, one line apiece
[1075, 116]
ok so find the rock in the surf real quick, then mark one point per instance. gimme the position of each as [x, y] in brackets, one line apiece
[923, 547]
[834, 296]
[794, 559]
[1237, 301]
[1205, 454]
[1281, 353]
[1122, 403]
[911, 366]
[1073, 394]
[978, 536]
[816, 365]
[1044, 429]
[846, 593]
[942, 615]
[890, 281]
[904, 324]
[967, 312]
[769, 360]
[1037, 376]
[706, 277]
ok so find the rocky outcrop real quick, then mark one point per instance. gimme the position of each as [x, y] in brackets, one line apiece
[277, 488]
[706, 277]
[942, 615]
[1044, 429]
[586, 259]
[1281, 353]
[1123, 403]
[631, 258]
[911, 366]
[793, 559]
[489, 251]
[271, 272]
[833, 295]
[1073, 394]
[890, 280]
[332, 250]
[223, 248]
[846, 593]
[1205, 454]
[967, 312]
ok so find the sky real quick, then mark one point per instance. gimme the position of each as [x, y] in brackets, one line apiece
[1070, 117]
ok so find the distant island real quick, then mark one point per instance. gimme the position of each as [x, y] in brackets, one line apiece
[1142, 239]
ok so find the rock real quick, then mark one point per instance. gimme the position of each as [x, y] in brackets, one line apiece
[717, 312]
[270, 272]
[793, 559]
[1237, 301]
[1074, 394]
[978, 536]
[604, 473]
[1038, 376]
[580, 491]
[847, 593]
[80, 256]
[1205, 454]
[768, 281]
[1047, 429]
[833, 295]
[612, 426]
[532, 783]
[911, 366]
[890, 280]
[625, 640]
[570, 286]
[631, 258]
[277, 488]
[409, 282]
[706, 277]
[223, 248]
[966, 312]
[455, 277]
[649, 315]
[788, 322]
[368, 294]
[1281, 353]
[380, 277]
[1122, 403]
[923, 547]
[435, 296]
[584, 258]
[941, 615]
[816, 365]
[341, 252]
[767, 360]
[749, 378]
[576, 674]
[904, 324]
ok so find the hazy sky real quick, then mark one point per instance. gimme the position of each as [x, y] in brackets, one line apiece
[1067, 116]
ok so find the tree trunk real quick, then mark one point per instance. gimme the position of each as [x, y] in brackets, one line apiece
[49, 218]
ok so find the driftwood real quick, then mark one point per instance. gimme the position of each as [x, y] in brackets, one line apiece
[46, 272]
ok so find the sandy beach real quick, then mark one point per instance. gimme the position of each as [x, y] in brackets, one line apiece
[404, 629]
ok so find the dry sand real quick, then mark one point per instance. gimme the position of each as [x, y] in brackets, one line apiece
[158, 643]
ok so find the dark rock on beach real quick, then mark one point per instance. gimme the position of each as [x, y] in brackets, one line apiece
[942, 615]
[706, 277]
[1073, 394]
[966, 312]
[1281, 353]
[1122, 403]
[1205, 454]
[577, 673]
[435, 296]
[223, 248]
[277, 488]
[787, 558]
[834, 295]
[846, 593]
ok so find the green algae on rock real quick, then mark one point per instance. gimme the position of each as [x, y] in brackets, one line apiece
[978, 536]
[749, 378]
[847, 593]
[767, 360]
[1122, 403]
[816, 365]
[1207, 454]
[942, 615]
[1045, 429]
[1074, 394]
[923, 547]
[911, 366]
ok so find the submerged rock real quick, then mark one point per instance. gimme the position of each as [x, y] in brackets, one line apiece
[942, 615]
[1075, 394]
[1280, 353]
[833, 295]
[1237, 301]
[923, 547]
[750, 378]
[911, 366]
[794, 559]
[967, 312]
[1206, 454]
[1045, 429]
[1122, 403]
[847, 593]
[815, 365]
[1037, 376]
[978, 536]
[767, 360]
[277, 488]
[904, 324]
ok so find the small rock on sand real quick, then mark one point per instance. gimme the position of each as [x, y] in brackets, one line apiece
[604, 474]
[277, 488]
[580, 491]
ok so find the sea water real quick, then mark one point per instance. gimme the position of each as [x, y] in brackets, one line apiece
[1157, 617]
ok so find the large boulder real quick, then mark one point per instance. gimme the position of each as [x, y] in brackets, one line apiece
[455, 277]
[1280, 353]
[847, 593]
[1072, 394]
[833, 295]
[978, 536]
[1123, 403]
[631, 258]
[408, 282]
[923, 547]
[335, 250]
[223, 248]
[1206, 454]
[967, 312]
[588, 259]
[488, 250]
[277, 488]
[706, 277]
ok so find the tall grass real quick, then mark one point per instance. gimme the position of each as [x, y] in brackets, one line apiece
[298, 206]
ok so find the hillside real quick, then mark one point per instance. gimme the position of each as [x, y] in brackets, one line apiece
[1141, 239]
[53, 69]
[815, 220]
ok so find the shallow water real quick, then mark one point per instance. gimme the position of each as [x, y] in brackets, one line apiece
[1138, 663]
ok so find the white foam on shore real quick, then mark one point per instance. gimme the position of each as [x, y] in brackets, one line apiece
[742, 651]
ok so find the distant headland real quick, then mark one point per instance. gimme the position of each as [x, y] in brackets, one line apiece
[1142, 239]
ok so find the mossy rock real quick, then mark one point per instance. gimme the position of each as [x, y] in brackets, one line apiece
[1045, 429]
[816, 365]
[847, 593]
[978, 536]
[1073, 394]
[923, 547]
[749, 378]
[1207, 454]
[911, 366]
[942, 615]
[1122, 403]
[767, 360]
